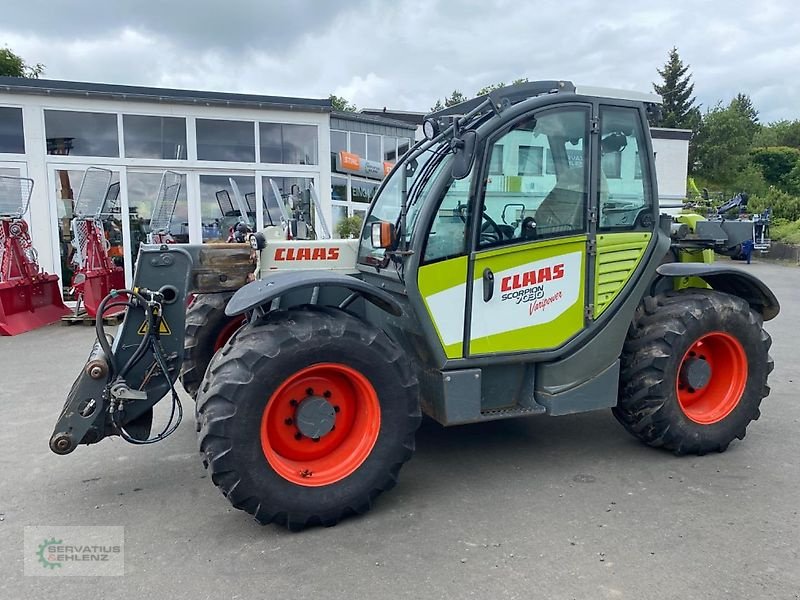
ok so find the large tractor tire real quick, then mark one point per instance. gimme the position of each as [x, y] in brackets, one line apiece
[694, 371]
[207, 330]
[306, 416]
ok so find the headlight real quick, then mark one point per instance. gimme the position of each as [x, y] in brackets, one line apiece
[430, 128]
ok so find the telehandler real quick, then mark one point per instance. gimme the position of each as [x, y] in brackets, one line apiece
[514, 263]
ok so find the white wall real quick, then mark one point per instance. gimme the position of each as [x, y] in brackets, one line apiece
[672, 163]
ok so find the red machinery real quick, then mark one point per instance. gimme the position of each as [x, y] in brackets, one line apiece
[29, 297]
[95, 274]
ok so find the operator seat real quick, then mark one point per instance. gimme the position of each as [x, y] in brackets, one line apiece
[563, 208]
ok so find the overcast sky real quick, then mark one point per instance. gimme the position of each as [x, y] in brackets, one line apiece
[403, 54]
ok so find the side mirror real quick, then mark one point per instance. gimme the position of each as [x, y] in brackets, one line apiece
[464, 156]
[382, 234]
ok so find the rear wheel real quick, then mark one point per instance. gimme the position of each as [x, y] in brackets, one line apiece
[694, 371]
[306, 416]
[207, 330]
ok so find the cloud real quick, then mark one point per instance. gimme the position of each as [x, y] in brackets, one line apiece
[407, 54]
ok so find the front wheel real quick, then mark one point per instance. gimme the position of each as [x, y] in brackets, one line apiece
[694, 371]
[306, 416]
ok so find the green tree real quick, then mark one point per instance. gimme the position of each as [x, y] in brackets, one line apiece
[723, 143]
[676, 89]
[779, 133]
[455, 98]
[742, 104]
[341, 103]
[13, 65]
[776, 164]
[496, 86]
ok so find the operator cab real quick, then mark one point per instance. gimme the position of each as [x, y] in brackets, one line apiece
[533, 175]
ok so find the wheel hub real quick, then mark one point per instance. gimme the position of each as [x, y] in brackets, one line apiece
[695, 373]
[315, 417]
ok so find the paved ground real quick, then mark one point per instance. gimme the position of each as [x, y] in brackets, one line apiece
[568, 507]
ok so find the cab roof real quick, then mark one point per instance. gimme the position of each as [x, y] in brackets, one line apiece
[512, 94]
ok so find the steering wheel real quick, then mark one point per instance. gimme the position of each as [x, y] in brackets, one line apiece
[490, 231]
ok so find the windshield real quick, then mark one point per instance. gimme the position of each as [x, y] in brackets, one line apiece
[388, 202]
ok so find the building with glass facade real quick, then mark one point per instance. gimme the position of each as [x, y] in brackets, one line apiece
[220, 143]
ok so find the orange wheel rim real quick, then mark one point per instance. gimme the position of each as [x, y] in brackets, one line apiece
[712, 377]
[227, 331]
[320, 425]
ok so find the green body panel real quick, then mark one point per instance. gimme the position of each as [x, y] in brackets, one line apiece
[541, 336]
[690, 219]
[699, 255]
[447, 275]
[618, 255]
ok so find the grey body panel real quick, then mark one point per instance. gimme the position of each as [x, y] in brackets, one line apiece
[598, 392]
[731, 281]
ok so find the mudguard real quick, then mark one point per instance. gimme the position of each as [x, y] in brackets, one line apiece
[731, 281]
[279, 283]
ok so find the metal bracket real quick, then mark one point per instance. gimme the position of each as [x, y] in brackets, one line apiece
[595, 125]
[589, 312]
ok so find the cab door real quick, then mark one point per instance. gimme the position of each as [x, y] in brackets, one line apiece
[529, 273]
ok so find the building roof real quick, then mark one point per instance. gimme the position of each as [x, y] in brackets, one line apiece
[407, 116]
[373, 119]
[108, 91]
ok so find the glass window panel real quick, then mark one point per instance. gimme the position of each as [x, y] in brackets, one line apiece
[338, 212]
[218, 210]
[339, 189]
[12, 137]
[389, 148]
[299, 144]
[530, 160]
[143, 189]
[374, 147]
[295, 196]
[231, 141]
[612, 165]
[154, 137]
[549, 166]
[496, 162]
[403, 144]
[358, 144]
[288, 144]
[532, 206]
[624, 191]
[362, 191]
[81, 133]
[68, 183]
[338, 143]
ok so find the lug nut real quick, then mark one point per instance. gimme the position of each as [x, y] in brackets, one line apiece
[335, 409]
[314, 439]
[298, 436]
[310, 391]
[327, 393]
[293, 402]
[288, 421]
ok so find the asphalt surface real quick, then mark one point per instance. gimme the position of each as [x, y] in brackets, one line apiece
[566, 507]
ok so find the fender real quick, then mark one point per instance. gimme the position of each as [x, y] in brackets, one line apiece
[731, 281]
[257, 293]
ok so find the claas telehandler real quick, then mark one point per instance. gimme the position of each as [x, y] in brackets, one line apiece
[514, 263]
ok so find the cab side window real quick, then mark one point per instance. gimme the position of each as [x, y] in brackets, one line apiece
[537, 184]
[448, 234]
[624, 190]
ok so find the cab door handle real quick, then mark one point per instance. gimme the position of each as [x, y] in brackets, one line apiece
[488, 284]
